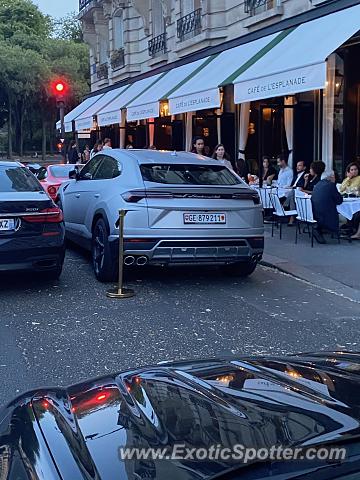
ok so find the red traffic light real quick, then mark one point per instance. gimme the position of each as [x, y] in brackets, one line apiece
[59, 88]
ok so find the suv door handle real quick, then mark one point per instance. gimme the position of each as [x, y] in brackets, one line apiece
[77, 195]
[97, 195]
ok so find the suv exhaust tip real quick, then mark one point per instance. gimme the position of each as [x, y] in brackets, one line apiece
[142, 260]
[129, 260]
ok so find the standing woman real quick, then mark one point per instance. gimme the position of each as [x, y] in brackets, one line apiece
[220, 154]
[73, 154]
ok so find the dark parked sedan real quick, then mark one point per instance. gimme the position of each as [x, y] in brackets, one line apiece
[182, 421]
[31, 225]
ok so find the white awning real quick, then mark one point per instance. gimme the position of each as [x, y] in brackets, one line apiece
[69, 117]
[86, 119]
[298, 63]
[111, 113]
[201, 91]
[147, 103]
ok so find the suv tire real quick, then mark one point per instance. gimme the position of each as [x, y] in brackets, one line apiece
[241, 269]
[103, 264]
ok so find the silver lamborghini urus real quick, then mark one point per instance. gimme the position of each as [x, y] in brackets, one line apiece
[182, 208]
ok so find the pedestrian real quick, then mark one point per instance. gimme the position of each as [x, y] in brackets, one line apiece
[86, 154]
[221, 155]
[199, 146]
[129, 146]
[107, 144]
[73, 153]
[96, 148]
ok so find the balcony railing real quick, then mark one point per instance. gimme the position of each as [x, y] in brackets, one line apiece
[157, 45]
[253, 7]
[102, 71]
[189, 25]
[83, 4]
[117, 59]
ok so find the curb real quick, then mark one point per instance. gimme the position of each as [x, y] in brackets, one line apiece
[317, 279]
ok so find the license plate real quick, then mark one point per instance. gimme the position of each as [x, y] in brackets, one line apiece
[7, 224]
[208, 218]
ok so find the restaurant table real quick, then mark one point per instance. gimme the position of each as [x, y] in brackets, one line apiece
[349, 207]
[264, 193]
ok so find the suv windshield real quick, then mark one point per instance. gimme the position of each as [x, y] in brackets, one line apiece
[17, 179]
[188, 174]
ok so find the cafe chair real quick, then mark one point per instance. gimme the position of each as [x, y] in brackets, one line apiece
[279, 213]
[305, 215]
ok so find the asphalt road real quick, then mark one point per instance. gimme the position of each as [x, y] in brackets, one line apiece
[62, 332]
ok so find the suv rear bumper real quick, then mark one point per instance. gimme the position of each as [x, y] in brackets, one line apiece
[192, 251]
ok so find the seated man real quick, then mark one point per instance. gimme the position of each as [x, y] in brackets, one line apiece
[285, 175]
[298, 181]
[325, 198]
[298, 178]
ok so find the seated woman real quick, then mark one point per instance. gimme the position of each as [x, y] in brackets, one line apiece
[268, 174]
[269, 171]
[314, 177]
[352, 180]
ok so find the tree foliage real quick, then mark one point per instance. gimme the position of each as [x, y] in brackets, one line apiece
[32, 54]
[68, 28]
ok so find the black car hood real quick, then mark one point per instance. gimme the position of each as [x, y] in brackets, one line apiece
[255, 402]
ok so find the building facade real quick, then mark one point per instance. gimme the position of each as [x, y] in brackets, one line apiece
[134, 41]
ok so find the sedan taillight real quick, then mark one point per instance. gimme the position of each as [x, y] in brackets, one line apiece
[48, 215]
[52, 190]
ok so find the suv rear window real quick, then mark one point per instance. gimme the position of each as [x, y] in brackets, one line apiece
[190, 174]
[18, 179]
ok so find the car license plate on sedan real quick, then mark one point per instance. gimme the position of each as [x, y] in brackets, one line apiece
[7, 224]
[204, 218]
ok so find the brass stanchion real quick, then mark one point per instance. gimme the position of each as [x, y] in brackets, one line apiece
[119, 291]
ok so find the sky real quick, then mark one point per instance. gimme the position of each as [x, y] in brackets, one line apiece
[57, 8]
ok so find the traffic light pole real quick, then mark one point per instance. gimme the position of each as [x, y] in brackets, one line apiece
[62, 117]
[61, 107]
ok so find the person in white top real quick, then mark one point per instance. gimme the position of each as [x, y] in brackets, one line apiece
[285, 175]
[221, 155]
[107, 144]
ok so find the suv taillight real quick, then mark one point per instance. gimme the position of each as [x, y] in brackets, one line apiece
[134, 196]
[49, 215]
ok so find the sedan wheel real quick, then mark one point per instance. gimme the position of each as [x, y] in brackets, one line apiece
[101, 255]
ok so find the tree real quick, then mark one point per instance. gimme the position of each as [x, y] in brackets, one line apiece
[33, 53]
[22, 16]
[68, 28]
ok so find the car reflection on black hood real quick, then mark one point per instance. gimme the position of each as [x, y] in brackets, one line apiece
[257, 402]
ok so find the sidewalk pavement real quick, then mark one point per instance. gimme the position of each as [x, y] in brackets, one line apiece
[333, 267]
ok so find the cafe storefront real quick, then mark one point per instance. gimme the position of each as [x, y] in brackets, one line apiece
[294, 91]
